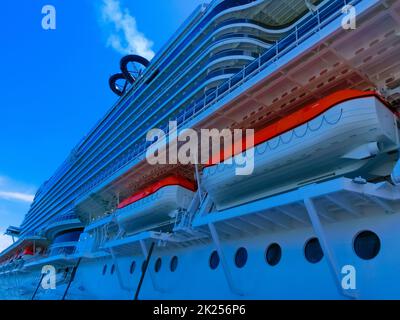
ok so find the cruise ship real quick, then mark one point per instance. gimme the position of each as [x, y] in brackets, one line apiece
[318, 84]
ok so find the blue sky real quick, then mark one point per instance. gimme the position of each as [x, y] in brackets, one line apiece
[54, 83]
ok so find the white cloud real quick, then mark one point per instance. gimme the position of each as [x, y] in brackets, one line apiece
[18, 196]
[124, 35]
[12, 191]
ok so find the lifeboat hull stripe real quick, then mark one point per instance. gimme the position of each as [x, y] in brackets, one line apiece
[169, 181]
[294, 120]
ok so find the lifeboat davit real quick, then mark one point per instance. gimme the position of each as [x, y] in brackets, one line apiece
[157, 204]
[341, 134]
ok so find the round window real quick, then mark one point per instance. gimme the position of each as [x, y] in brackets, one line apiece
[157, 266]
[174, 264]
[241, 257]
[133, 267]
[214, 260]
[367, 245]
[273, 254]
[313, 251]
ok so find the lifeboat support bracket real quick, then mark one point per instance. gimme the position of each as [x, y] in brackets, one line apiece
[326, 248]
[119, 275]
[225, 265]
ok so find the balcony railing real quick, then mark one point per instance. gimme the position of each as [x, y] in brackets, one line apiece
[303, 31]
[63, 217]
[62, 248]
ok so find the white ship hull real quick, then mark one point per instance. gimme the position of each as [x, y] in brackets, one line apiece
[293, 278]
[333, 181]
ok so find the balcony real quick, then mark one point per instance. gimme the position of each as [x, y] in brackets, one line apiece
[62, 223]
[63, 254]
[63, 248]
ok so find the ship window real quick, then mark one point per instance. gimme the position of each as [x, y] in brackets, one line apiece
[367, 245]
[133, 267]
[214, 260]
[241, 257]
[157, 266]
[273, 254]
[112, 269]
[104, 269]
[313, 251]
[174, 264]
[68, 236]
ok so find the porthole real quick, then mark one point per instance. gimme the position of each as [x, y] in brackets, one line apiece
[367, 245]
[214, 260]
[157, 266]
[104, 269]
[112, 269]
[241, 258]
[273, 254]
[313, 251]
[174, 264]
[133, 267]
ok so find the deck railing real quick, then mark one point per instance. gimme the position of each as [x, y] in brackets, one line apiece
[62, 248]
[303, 31]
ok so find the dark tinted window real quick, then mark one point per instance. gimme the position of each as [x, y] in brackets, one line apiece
[133, 267]
[68, 236]
[241, 257]
[273, 254]
[158, 264]
[313, 251]
[214, 260]
[367, 245]
[112, 269]
[104, 269]
[174, 264]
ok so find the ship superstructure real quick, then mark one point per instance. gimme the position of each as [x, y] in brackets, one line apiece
[322, 99]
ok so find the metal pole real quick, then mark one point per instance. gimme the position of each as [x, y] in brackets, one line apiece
[144, 271]
[37, 287]
[72, 278]
[196, 166]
